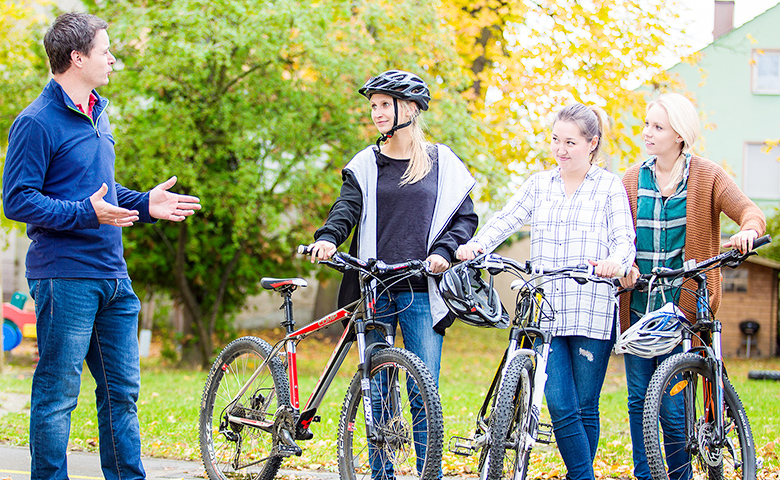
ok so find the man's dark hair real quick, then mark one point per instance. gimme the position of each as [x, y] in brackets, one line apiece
[69, 32]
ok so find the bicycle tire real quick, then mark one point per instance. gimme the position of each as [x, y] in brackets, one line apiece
[687, 372]
[510, 422]
[483, 428]
[396, 429]
[231, 451]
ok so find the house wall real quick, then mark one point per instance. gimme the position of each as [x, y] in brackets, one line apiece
[720, 82]
[759, 303]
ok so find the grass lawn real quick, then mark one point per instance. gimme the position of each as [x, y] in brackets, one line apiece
[169, 402]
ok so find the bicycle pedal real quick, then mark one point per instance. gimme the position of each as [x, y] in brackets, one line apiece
[461, 446]
[287, 447]
[282, 450]
[544, 434]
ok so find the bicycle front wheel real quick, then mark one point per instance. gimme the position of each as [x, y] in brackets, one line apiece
[509, 423]
[407, 415]
[679, 427]
[233, 449]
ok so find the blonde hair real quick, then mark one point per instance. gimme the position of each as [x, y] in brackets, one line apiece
[592, 121]
[685, 122]
[419, 161]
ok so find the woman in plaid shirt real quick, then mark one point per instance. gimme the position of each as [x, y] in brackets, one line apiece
[579, 213]
[676, 200]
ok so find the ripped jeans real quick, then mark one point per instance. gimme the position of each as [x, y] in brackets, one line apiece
[576, 370]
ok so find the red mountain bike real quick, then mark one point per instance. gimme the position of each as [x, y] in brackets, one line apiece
[391, 420]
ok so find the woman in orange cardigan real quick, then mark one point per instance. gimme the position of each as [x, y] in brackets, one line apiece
[676, 199]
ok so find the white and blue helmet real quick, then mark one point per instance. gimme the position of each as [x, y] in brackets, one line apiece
[656, 333]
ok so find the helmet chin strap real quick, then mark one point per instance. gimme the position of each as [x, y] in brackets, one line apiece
[387, 136]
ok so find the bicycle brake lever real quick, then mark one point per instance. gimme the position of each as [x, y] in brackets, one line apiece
[336, 266]
[494, 264]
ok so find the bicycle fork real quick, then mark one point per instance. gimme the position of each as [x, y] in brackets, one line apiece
[713, 400]
[365, 352]
[535, 407]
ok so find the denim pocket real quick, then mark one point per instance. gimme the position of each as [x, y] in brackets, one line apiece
[33, 286]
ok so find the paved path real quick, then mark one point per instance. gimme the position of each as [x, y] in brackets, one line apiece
[15, 465]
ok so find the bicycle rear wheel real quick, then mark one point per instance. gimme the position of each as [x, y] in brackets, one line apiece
[408, 416]
[510, 422]
[233, 450]
[682, 443]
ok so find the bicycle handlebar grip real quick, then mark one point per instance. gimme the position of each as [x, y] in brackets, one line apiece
[303, 250]
[761, 241]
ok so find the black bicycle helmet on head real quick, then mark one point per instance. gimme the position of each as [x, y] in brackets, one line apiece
[471, 299]
[399, 84]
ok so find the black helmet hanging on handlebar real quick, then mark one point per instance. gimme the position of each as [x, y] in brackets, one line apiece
[399, 84]
[471, 299]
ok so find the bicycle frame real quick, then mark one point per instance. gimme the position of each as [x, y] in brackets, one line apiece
[712, 351]
[359, 315]
[525, 327]
[538, 354]
[711, 348]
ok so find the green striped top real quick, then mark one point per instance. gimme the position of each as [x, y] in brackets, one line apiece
[660, 231]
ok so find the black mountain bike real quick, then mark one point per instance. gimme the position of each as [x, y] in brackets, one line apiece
[713, 436]
[508, 424]
[391, 419]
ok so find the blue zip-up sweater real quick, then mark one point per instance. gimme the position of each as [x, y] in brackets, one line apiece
[57, 157]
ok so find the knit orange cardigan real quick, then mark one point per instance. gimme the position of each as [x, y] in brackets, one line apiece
[710, 191]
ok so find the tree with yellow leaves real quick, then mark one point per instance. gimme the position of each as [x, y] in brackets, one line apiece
[527, 58]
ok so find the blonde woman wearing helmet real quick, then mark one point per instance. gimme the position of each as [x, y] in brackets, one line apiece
[676, 200]
[406, 199]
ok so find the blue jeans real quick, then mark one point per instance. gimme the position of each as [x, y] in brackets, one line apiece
[576, 370]
[638, 373]
[94, 321]
[412, 312]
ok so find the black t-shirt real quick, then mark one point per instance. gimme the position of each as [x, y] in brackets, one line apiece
[404, 214]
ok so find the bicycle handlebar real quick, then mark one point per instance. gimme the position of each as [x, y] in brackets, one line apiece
[582, 273]
[372, 266]
[691, 268]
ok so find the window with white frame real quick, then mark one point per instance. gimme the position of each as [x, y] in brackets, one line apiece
[761, 172]
[766, 72]
[734, 280]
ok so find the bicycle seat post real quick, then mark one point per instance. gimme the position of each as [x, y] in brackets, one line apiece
[287, 306]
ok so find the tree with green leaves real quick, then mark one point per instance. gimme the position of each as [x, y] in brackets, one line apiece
[23, 66]
[254, 106]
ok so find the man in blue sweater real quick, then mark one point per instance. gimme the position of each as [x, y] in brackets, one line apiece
[59, 179]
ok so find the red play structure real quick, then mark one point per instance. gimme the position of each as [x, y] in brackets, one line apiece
[17, 322]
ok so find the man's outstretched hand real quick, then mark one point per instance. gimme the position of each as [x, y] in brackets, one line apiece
[166, 205]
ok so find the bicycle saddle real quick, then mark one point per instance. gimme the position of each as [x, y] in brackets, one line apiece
[275, 283]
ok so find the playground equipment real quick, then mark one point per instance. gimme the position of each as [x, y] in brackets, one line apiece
[17, 322]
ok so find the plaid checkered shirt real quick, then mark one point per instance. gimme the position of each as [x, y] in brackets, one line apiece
[594, 223]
